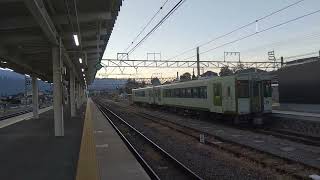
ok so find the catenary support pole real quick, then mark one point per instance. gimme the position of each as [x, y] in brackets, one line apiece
[57, 92]
[35, 97]
[198, 62]
[72, 95]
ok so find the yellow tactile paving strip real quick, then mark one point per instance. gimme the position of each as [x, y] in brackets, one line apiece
[87, 164]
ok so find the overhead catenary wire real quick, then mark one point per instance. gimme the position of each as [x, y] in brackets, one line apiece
[148, 23]
[255, 33]
[239, 28]
[157, 25]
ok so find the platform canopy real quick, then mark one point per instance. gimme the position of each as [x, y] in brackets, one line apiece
[30, 28]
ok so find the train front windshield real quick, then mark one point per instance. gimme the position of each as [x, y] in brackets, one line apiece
[243, 89]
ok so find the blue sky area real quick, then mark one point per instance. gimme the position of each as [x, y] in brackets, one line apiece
[198, 21]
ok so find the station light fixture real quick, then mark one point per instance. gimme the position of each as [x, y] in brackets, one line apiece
[84, 75]
[82, 70]
[80, 60]
[76, 40]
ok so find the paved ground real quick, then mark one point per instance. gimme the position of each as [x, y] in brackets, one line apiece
[29, 150]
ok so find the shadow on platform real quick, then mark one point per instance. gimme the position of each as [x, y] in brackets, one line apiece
[30, 151]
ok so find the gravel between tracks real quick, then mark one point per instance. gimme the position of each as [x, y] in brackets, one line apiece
[164, 168]
[305, 154]
[208, 162]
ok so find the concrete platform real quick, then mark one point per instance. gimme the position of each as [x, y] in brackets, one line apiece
[30, 151]
[295, 115]
[115, 161]
[90, 149]
[302, 108]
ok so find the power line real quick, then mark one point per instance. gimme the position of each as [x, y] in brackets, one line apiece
[239, 28]
[264, 30]
[158, 25]
[287, 41]
[149, 22]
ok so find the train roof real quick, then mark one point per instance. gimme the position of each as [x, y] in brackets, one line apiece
[244, 76]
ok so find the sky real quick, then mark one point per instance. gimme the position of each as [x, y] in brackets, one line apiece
[199, 21]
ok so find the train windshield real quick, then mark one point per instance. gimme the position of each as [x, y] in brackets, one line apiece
[267, 90]
[243, 89]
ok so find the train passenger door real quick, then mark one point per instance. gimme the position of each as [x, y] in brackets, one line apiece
[228, 97]
[150, 96]
[156, 95]
[217, 97]
[256, 96]
[267, 96]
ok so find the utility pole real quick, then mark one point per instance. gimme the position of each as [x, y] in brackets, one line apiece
[26, 85]
[198, 62]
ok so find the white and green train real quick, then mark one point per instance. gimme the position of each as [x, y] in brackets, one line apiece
[239, 96]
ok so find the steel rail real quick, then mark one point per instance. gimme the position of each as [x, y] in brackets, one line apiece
[192, 174]
[227, 149]
[17, 114]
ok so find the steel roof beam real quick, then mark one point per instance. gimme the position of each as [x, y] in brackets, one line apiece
[85, 33]
[20, 38]
[83, 17]
[92, 43]
[17, 60]
[28, 22]
[37, 9]
[93, 50]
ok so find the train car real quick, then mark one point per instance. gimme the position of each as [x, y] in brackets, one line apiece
[241, 96]
[143, 95]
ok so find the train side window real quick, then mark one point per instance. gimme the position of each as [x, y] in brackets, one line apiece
[188, 93]
[204, 92]
[180, 92]
[140, 93]
[199, 92]
[229, 91]
[176, 92]
[183, 94]
[195, 93]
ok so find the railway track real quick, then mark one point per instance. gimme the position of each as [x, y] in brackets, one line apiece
[18, 113]
[280, 133]
[300, 138]
[271, 161]
[14, 114]
[170, 167]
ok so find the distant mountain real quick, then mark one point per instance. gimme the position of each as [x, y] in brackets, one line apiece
[13, 83]
[107, 84]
